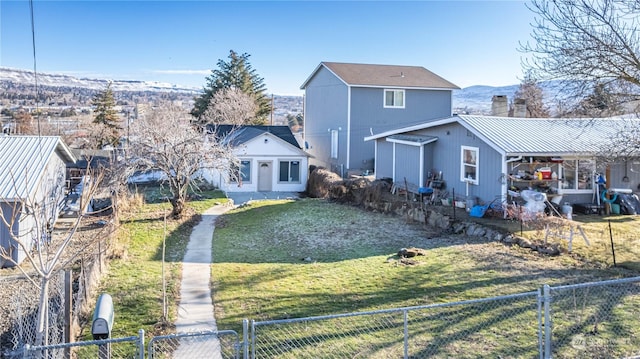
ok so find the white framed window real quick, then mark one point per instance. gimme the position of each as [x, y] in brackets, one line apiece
[578, 175]
[334, 143]
[469, 159]
[289, 171]
[394, 98]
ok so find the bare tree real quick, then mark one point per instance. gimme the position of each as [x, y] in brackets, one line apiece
[532, 94]
[166, 141]
[231, 106]
[34, 216]
[585, 44]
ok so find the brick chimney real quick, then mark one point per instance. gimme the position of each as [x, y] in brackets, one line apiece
[499, 106]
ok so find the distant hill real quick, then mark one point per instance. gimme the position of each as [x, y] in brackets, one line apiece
[477, 99]
[59, 80]
[64, 91]
[471, 100]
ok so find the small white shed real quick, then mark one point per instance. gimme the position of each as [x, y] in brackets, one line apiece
[271, 160]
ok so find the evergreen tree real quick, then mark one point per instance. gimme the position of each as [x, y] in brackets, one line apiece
[106, 118]
[238, 73]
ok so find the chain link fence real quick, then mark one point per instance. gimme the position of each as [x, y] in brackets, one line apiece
[129, 347]
[223, 344]
[24, 307]
[594, 320]
[589, 320]
[496, 327]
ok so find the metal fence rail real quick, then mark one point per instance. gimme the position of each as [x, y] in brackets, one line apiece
[223, 344]
[595, 320]
[589, 320]
[495, 327]
[129, 347]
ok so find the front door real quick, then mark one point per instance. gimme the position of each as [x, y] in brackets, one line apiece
[265, 175]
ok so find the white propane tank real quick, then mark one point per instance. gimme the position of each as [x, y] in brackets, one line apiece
[567, 209]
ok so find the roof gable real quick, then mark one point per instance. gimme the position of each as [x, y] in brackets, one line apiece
[23, 160]
[370, 75]
[243, 134]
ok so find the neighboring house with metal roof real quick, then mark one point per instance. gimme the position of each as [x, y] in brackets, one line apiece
[32, 190]
[270, 160]
[485, 157]
[344, 102]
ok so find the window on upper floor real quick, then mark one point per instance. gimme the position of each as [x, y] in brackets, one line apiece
[394, 98]
[469, 164]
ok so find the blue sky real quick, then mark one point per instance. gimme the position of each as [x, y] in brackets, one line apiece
[180, 42]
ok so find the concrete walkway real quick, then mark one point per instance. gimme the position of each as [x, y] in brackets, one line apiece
[195, 311]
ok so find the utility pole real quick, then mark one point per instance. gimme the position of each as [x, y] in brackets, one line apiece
[272, 109]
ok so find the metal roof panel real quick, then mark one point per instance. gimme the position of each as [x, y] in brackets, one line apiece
[23, 160]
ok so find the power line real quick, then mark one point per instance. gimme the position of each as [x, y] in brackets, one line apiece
[35, 72]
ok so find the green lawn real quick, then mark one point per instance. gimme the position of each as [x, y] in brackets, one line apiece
[291, 259]
[260, 271]
[134, 279]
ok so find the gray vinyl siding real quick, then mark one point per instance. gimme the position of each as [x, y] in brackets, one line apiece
[407, 164]
[384, 165]
[618, 171]
[325, 109]
[428, 161]
[368, 116]
[445, 154]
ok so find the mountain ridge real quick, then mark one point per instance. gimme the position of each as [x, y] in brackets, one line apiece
[474, 99]
[62, 80]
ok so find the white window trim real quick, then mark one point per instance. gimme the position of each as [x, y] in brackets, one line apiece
[289, 160]
[476, 165]
[250, 171]
[334, 144]
[574, 190]
[384, 98]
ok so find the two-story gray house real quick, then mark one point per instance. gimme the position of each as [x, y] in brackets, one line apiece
[346, 102]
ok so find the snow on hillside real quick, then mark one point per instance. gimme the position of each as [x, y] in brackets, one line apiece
[60, 80]
[472, 100]
[477, 99]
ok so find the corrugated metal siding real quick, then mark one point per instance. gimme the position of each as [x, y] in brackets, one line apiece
[22, 160]
[369, 115]
[326, 108]
[407, 164]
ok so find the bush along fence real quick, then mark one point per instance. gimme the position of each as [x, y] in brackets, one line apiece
[589, 320]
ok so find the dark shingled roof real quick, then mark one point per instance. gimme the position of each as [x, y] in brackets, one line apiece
[243, 134]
